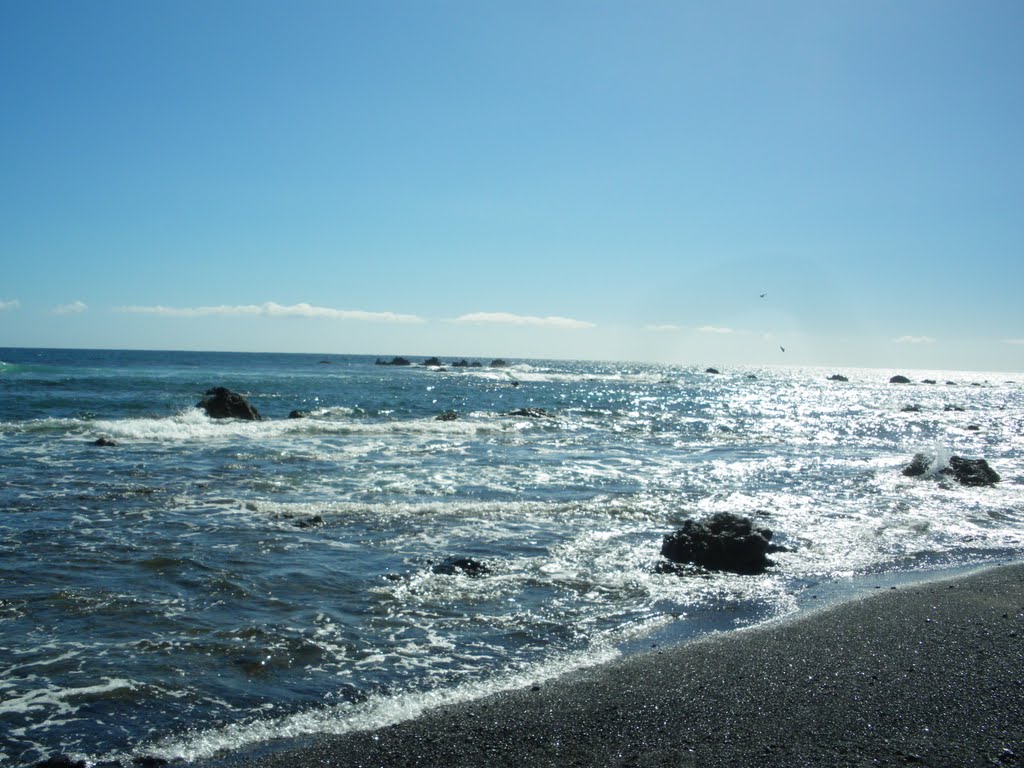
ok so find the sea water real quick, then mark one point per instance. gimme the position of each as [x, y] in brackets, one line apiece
[209, 585]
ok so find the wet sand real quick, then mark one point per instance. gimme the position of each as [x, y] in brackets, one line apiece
[928, 675]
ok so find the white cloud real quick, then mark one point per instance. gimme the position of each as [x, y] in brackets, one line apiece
[13, 304]
[663, 328]
[74, 308]
[714, 329]
[914, 340]
[1013, 341]
[507, 318]
[273, 309]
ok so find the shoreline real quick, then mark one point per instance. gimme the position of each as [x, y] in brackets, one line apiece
[928, 673]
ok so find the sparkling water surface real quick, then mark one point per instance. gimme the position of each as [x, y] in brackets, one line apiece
[209, 585]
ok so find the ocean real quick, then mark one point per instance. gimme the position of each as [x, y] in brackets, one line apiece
[204, 587]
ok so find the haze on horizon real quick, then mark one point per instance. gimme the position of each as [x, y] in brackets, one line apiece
[613, 181]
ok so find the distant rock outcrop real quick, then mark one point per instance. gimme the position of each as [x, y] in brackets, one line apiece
[711, 370]
[499, 363]
[446, 416]
[460, 364]
[297, 414]
[964, 471]
[723, 542]
[394, 361]
[837, 377]
[972, 471]
[222, 403]
[432, 362]
[899, 380]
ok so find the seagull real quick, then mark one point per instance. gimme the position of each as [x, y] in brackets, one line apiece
[782, 348]
[763, 295]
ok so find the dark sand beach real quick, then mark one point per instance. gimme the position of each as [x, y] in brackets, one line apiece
[927, 674]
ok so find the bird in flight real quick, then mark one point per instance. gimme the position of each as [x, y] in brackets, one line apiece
[763, 295]
[782, 348]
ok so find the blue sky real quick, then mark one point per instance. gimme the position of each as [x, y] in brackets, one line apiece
[604, 180]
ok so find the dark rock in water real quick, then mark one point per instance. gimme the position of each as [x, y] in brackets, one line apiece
[432, 361]
[918, 465]
[954, 408]
[105, 442]
[469, 566]
[928, 381]
[751, 376]
[460, 364]
[297, 414]
[711, 370]
[314, 521]
[971, 471]
[911, 408]
[476, 364]
[532, 413]
[325, 362]
[951, 383]
[899, 380]
[447, 416]
[973, 428]
[837, 377]
[148, 761]
[394, 361]
[964, 471]
[723, 542]
[222, 403]
[499, 363]
[60, 761]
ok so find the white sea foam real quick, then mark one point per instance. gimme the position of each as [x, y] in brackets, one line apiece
[377, 712]
[59, 700]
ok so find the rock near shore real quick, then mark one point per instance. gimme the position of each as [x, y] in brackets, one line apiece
[222, 403]
[723, 542]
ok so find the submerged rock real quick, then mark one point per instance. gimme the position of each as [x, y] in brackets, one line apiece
[222, 403]
[469, 566]
[297, 414]
[723, 542]
[446, 416]
[899, 380]
[105, 442]
[532, 413]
